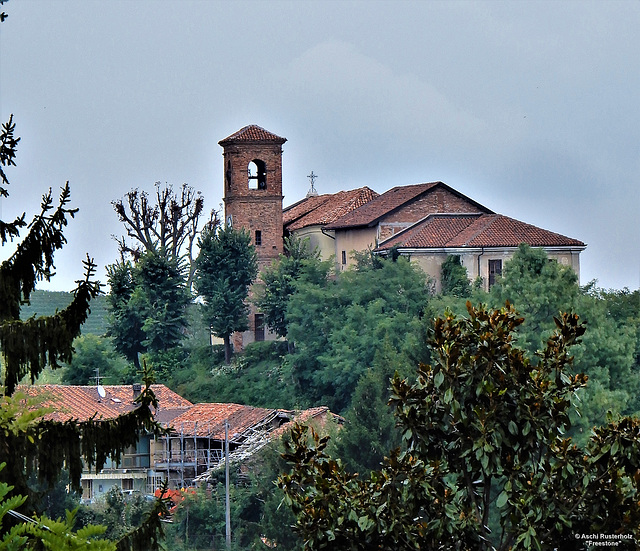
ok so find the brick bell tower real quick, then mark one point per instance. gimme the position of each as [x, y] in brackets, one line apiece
[253, 200]
[253, 188]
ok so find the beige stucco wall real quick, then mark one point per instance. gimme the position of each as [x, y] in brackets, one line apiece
[352, 240]
[476, 261]
[319, 240]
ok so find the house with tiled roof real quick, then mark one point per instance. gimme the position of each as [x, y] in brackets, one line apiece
[429, 221]
[194, 442]
[482, 241]
[134, 472]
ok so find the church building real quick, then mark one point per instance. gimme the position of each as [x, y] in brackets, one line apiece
[426, 222]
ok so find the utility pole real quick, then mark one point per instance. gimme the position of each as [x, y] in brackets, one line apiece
[226, 479]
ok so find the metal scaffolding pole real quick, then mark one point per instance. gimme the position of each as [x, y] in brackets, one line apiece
[226, 478]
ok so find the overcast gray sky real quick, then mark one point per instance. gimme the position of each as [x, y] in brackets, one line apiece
[530, 108]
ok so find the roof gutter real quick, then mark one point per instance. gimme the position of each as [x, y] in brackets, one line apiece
[324, 232]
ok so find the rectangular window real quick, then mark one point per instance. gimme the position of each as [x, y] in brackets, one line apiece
[495, 269]
[344, 257]
[127, 484]
[258, 238]
[259, 327]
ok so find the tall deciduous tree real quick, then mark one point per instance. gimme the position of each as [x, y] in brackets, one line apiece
[169, 222]
[487, 465]
[338, 327]
[539, 288]
[225, 268]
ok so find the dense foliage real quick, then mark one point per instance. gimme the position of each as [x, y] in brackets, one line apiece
[486, 462]
[339, 326]
[280, 281]
[148, 304]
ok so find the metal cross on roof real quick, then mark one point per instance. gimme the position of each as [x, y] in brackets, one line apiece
[312, 177]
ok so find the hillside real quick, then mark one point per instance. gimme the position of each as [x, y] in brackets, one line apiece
[46, 303]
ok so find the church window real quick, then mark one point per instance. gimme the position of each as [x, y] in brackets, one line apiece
[495, 269]
[258, 238]
[257, 174]
[344, 257]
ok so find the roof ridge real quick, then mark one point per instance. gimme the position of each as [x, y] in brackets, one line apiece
[252, 133]
[483, 227]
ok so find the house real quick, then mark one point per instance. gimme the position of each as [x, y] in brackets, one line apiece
[192, 448]
[427, 222]
[482, 241]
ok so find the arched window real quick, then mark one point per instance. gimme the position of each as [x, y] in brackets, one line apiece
[257, 174]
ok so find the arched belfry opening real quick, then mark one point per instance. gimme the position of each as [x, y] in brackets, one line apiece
[257, 174]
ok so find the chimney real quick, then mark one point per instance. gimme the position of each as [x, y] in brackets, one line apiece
[137, 390]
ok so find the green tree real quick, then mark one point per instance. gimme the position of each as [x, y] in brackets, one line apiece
[225, 268]
[125, 320]
[370, 429]
[280, 280]
[486, 464]
[339, 326]
[30, 443]
[539, 288]
[147, 305]
[455, 281]
[93, 355]
[162, 296]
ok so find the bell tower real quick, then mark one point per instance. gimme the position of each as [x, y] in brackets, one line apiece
[253, 188]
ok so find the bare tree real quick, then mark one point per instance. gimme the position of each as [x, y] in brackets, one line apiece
[169, 222]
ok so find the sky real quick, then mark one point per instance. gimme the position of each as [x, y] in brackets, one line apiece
[530, 108]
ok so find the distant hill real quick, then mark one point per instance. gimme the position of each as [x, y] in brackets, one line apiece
[46, 303]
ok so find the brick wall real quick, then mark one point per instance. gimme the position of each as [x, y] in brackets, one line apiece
[440, 200]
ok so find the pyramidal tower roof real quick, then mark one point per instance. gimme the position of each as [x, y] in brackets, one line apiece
[252, 133]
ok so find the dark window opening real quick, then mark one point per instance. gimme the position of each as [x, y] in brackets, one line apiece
[259, 327]
[227, 175]
[344, 257]
[258, 238]
[495, 270]
[257, 174]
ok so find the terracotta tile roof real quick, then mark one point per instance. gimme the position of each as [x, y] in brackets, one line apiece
[385, 204]
[304, 417]
[83, 402]
[207, 420]
[484, 230]
[252, 133]
[301, 208]
[325, 209]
